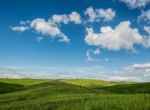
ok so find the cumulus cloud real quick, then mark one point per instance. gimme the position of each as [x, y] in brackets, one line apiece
[75, 18]
[135, 72]
[135, 3]
[50, 27]
[92, 54]
[147, 29]
[20, 28]
[147, 36]
[99, 14]
[45, 27]
[145, 16]
[121, 37]
[60, 19]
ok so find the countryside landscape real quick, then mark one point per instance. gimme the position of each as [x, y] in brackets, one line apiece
[76, 94]
[74, 54]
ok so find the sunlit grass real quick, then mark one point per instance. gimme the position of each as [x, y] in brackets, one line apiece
[30, 94]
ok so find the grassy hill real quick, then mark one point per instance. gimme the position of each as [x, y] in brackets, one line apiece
[80, 94]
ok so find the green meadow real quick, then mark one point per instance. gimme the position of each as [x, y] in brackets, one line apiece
[75, 94]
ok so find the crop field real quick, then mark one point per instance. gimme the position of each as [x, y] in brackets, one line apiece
[75, 94]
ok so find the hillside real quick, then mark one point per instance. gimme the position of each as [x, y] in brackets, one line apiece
[80, 94]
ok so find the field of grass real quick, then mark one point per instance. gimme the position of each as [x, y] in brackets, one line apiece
[79, 94]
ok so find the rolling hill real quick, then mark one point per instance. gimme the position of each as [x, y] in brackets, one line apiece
[77, 94]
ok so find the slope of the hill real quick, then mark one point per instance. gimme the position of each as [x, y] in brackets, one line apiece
[79, 94]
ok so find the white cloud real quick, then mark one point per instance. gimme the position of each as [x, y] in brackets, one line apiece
[48, 28]
[45, 27]
[51, 72]
[142, 66]
[147, 29]
[12, 72]
[140, 71]
[135, 3]
[147, 37]
[145, 19]
[107, 59]
[60, 19]
[25, 22]
[20, 28]
[39, 39]
[75, 17]
[97, 51]
[51, 27]
[145, 16]
[147, 42]
[121, 37]
[135, 72]
[92, 54]
[99, 14]
[120, 78]
[88, 55]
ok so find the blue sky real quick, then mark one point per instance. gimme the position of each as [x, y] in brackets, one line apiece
[75, 38]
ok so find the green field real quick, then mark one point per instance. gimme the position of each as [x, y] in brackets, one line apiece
[79, 94]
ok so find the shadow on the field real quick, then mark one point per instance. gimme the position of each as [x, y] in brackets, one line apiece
[135, 88]
[10, 87]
